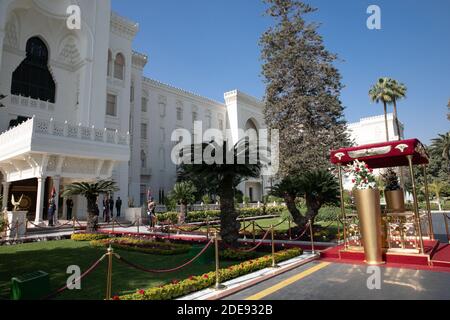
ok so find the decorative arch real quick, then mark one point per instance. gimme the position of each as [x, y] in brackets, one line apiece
[12, 31]
[119, 66]
[33, 78]
[69, 52]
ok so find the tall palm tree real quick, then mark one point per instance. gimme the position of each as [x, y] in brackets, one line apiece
[381, 92]
[440, 148]
[398, 92]
[225, 175]
[90, 191]
[184, 193]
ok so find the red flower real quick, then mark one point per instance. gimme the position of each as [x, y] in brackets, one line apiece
[191, 278]
[357, 169]
[353, 181]
[116, 298]
[175, 281]
[205, 276]
[141, 292]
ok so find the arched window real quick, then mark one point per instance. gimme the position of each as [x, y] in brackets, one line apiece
[119, 66]
[109, 63]
[32, 78]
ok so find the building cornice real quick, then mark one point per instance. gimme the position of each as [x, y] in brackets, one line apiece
[123, 26]
[237, 95]
[187, 94]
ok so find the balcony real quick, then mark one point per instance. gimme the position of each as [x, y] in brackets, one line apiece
[40, 147]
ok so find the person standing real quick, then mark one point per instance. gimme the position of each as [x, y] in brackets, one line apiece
[111, 206]
[118, 206]
[69, 206]
[51, 211]
[151, 205]
[106, 213]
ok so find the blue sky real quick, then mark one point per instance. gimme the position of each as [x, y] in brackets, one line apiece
[211, 46]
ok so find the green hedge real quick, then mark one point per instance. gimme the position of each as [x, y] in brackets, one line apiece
[88, 236]
[196, 283]
[200, 216]
[235, 255]
[143, 246]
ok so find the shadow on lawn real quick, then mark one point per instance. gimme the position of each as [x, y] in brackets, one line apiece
[61, 254]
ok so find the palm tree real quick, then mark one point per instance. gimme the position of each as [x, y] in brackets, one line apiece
[381, 92]
[90, 191]
[184, 193]
[437, 187]
[440, 148]
[317, 187]
[225, 175]
[398, 91]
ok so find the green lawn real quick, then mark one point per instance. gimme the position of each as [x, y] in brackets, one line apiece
[54, 257]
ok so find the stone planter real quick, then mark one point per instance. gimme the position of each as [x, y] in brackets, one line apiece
[369, 212]
[395, 201]
[17, 221]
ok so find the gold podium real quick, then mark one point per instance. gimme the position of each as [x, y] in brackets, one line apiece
[369, 212]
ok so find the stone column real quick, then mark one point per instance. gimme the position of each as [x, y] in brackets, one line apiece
[56, 184]
[40, 201]
[5, 194]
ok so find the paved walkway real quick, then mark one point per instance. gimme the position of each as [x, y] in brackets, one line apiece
[321, 280]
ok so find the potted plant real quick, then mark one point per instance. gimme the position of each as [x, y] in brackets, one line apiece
[395, 199]
[367, 200]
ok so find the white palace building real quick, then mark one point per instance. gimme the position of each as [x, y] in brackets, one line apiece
[78, 108]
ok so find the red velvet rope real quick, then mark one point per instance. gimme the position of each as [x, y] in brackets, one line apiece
[304, 232]
[130, 264]
[123, 226]
[88, 271]
[260, 242]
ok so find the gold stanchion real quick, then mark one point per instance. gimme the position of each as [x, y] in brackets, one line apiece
[344, 218]
[274, 264]
[416, 204]
[446, 227]
[312, 236]
[339, 231]
[427, 199]
[73, 224]
[218, 285]
[207, 227]
[245, 229]
[109, 253]
[289, 226]
[253, 231]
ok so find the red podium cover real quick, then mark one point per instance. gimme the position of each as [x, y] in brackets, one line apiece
[383, 155]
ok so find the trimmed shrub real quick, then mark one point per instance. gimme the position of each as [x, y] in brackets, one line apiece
[143, 246]
[88, 236]
[196, 283]
[236, 255]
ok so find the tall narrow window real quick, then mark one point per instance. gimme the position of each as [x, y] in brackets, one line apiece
[144, 104]
[143, 159]
[119, 66]
[32, 78]
[111, 105]
[144, 131]
[108, 72]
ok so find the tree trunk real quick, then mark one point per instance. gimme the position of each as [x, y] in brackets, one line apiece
[92, 218]
[298, 218]
[182, 217]
[386, 121]
[229, 226]
[397, 123]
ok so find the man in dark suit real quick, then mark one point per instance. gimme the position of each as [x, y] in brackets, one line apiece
[69, 205]
[118, 206]
[111, 206]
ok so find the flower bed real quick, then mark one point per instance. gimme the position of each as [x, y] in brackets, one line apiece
[88, 236]
[143, 246]
[196, 283]
[235, 255]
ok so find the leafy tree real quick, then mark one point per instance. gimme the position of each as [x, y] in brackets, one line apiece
[382, 92]
[437, 188]
[226, 176]
[448, 106]
[90, 191]
[183, 192]
[302, 89]
[318, 188]
[440, 148]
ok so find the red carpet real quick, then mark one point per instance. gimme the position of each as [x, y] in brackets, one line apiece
[436, 257]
